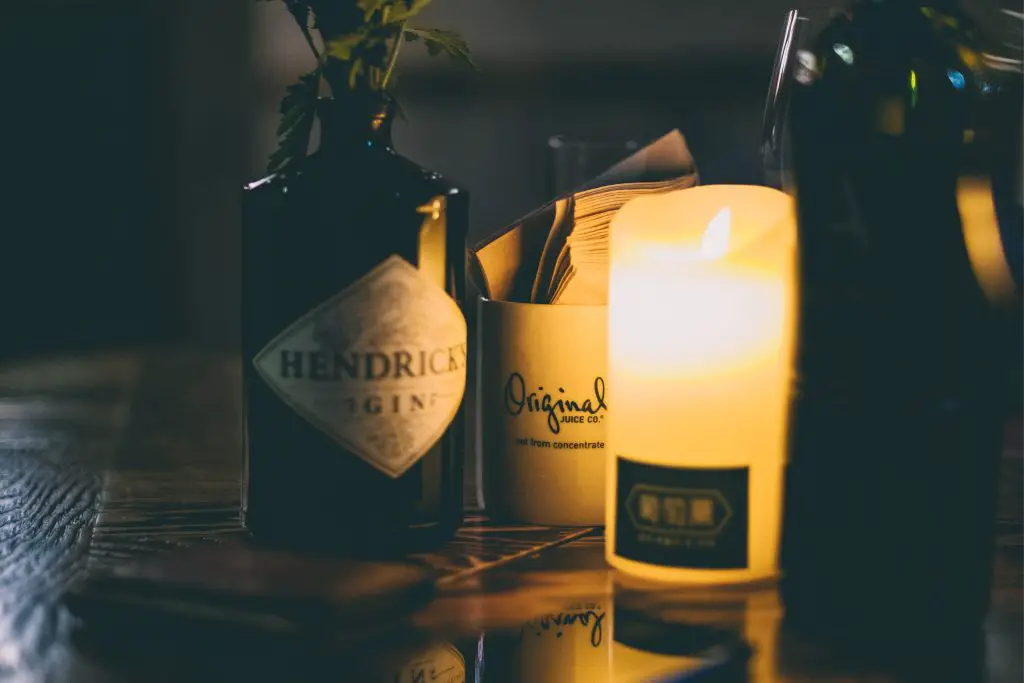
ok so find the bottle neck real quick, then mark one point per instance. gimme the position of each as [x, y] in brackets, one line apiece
[352, 123]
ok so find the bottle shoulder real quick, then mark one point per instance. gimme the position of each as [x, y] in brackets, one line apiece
[380, 169]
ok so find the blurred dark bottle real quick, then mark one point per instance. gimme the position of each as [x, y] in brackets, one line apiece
[903, 139]
[354, 344]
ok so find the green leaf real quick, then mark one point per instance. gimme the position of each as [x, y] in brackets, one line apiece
[298, 109]
[354, 72]
[439, 40]
[371, 6]
[358, 59]
[343, 46]
[404, 12]
[361, 44]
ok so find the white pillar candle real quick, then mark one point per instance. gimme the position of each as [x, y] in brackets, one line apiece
[701, 323]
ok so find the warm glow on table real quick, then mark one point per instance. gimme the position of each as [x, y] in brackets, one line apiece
[701, 329]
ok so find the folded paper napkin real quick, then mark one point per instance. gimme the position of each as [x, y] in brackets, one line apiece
[558, 254]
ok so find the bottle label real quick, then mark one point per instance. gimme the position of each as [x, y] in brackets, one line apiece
[682, 517]
[380, 367]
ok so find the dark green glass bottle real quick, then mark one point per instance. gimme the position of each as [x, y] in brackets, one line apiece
[898, 131]
[354, 344]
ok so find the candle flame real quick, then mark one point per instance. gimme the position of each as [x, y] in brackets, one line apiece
[716, 235]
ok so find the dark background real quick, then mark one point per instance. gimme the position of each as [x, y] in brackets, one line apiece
[128, 129]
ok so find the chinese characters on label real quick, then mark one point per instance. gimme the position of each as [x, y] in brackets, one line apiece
[678, 517]
[678, 510]
[690, 518]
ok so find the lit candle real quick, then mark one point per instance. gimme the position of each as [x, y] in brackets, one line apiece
[701, 323]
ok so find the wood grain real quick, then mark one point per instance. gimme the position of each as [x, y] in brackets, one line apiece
[46, 513]
[58, 423]
[109, 458]
[174, 478]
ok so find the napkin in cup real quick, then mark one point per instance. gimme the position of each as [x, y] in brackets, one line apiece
[558, 253]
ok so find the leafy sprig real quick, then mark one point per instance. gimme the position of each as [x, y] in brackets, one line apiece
[360, 41]
[293, 129]
[439, 40]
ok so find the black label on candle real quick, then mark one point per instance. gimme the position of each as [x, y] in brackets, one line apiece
[682, 517]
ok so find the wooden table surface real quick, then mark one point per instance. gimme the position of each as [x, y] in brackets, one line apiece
[109, 458]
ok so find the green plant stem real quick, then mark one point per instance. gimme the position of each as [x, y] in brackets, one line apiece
[312, 46]
[393, 58]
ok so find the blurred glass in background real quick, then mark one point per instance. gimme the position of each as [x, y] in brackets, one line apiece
[573, 162]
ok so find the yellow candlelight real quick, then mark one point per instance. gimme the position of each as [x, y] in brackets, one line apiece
[975, 201]
[701, 325]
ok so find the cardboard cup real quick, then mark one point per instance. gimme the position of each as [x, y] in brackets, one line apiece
[543, 410]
